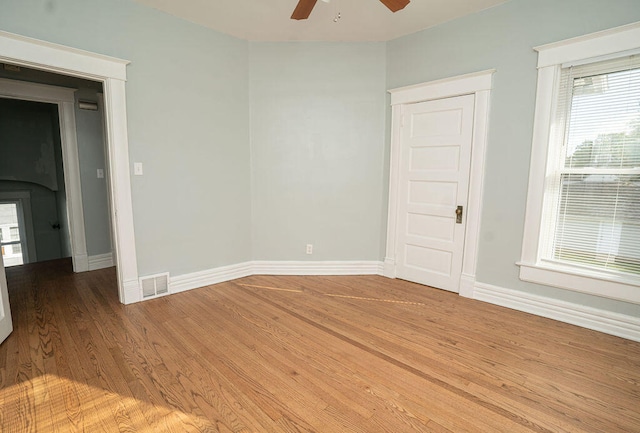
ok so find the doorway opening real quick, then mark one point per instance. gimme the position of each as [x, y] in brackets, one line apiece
[22, 51]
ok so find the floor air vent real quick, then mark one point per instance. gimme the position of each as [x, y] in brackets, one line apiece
[154, 285]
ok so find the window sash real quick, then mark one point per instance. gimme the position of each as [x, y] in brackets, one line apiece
[596, 238]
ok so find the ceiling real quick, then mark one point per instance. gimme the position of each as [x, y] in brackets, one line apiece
[360, 20]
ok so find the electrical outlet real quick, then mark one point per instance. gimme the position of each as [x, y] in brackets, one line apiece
[137, 169]
[309, 249]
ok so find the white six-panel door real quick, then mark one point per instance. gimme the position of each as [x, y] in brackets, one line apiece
[5, 314]
[435, 160]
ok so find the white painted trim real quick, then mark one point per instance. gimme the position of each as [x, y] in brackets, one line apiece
[599, 320]
[317, 268]
[45, 55]
[64, 99]
[551, 58]
[604, 43]
[6, 324]
[37, 54]
[467, 285]
[445, 88]
[584, 281]
[196, 280]
[124, 245]
[479, 84]
[100, 261]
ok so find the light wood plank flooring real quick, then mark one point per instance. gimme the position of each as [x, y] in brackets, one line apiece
[301, 354]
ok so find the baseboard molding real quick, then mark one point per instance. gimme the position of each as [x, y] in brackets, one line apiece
[195, 280]
[100, 261]
[317, 268]
[608, 322]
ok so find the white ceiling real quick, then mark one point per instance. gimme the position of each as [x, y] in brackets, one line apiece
[361, 20]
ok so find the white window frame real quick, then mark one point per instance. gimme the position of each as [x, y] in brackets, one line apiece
[608, 44]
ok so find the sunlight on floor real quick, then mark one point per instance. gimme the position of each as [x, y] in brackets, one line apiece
[53, 403]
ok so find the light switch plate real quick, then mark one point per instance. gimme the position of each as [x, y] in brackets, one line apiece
[100, 173]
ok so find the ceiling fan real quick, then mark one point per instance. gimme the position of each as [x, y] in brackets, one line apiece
[304, 7]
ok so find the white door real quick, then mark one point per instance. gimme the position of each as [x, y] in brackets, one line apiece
[5, 314]
[435, 163]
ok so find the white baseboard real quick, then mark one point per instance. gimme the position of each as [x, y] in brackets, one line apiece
[317, 268]
[608, 322]
[100, 261]
[195, 280]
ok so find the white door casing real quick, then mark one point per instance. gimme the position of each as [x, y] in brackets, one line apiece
[33, 53]
[479, 85]
[435, 159]
[6, 325]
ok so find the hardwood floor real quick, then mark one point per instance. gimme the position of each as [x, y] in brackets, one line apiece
[300, 354]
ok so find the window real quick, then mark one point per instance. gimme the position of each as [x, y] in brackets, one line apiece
[10, 217]
[582, 226]
[591, 214]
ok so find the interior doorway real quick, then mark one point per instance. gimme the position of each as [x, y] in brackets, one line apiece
[111, 72]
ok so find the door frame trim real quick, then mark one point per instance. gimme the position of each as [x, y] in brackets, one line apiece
[34, 53]
[478, 84]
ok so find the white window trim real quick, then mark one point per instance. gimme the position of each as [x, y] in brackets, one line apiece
[552, 58]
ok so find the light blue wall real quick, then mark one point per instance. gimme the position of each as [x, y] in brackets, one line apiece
[317, 147]
[503, 38]
[188, 118]
[91, 156]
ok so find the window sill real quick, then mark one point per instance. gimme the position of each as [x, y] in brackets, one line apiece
[579, 280]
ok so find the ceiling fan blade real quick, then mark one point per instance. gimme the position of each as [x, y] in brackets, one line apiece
[303, 10]
[395, 5]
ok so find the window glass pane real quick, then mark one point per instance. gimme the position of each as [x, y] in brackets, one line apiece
[8, 214]
[598, 222]
[604, 122]
[11, 252]
[14, 234]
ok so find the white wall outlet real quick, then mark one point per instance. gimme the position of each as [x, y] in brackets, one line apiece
[309, 249]
[101, 173]
[137, 168]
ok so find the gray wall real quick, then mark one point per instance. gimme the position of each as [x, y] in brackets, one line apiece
[188, 118]
[317, 149]
[91, 156]
[503, 38]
